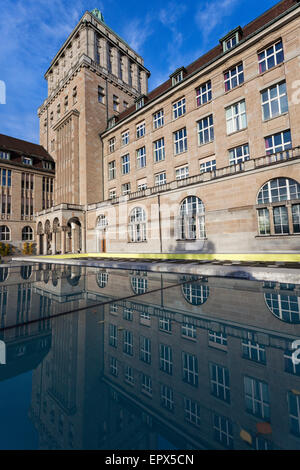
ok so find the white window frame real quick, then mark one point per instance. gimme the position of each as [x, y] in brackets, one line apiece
[203, 93]
[125, 138]
[206, 130]
[125, 159]
[235, 77]
[141, 157]
[236, 117]
[274, 54]
[140, 130]
[165, 358]
[112, 170]
[280, 99]
[158, 119]
[180, 141]
[276, 148]
[179, 108]
[208, 166]
[111, 144]
[159, 150]
[234, 159]
[160, 178]
[182, 172]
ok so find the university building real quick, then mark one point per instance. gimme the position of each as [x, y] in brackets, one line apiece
[208, 161]
[26, 186]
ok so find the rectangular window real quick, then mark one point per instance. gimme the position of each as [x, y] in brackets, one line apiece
[182, 172]
[101, 94]
[167, 397]
[113, 309]
[179, 108]
[141, 157]
[4, 155]
[145, 349]
[211, 165]
[192, 411]
[294, 413]
[115, 103]
[126, 188]
[206, 130]
[270, 57]
[278, 142]
[164, 324]
[215, 338]
[274, 101]
[140, 130]
[125, 104]
[296, 217]
[264, 222]
[165, 359]
[190, 369]
[253, 351]
[146, 384]
[27, 161]
[219, 382]
[112, 193]
[180, 141]
[188, 330]
[129, 378]
[125, 164]
[234, 77]
[128, 342]
[158, 119]
[223, 431]
[159, 150]
[111, 145]
[203, 93]
[112, 170]
[239, 154]
[113, 366]
[177, 78]
[281, 220]
[160, 179]
[113, 335]
[127, 314]
[125, 138]
[142, 184]
[257, 398]
[236, 118]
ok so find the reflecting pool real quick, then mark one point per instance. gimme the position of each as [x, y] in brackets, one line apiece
[113, 359]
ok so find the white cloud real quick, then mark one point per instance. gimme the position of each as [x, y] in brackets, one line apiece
[137, 32]
[212, 14]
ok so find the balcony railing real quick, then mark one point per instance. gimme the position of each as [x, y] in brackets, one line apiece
[248, 165]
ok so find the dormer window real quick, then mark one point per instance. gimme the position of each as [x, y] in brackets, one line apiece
[140, 103]
[4, 155]
[231, 39]
[111, 122]
[177, 76]
[47, 165]
[27, 161]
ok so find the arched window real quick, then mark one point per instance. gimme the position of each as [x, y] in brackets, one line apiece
[139, 283]
[137, 225]
[27, 234]
[102, 279]
[26, 272]
[195, 293]
[285, 307]
[4, 233]
[275, 215]
[192, 219]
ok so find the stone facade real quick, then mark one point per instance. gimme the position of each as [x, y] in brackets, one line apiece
[213, 134]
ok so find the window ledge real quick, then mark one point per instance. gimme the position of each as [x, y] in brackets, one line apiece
[190, 239]
[277, 235]
[276, 117]
[181, 153]
[236, 132]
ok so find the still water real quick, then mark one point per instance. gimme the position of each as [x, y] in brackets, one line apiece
[108, 359]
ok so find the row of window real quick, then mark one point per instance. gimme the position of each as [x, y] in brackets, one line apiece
[278, 213]
[5, 233]
[273, 99]
[275, 143]
[256, 392]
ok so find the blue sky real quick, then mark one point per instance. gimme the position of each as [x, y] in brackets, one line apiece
[168, 34]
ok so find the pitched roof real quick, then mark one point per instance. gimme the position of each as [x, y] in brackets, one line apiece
[23, 147]
[217, 51]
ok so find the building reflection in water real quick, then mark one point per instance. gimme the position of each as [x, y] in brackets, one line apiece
[140, 364]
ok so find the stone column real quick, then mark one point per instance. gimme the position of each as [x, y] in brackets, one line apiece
[54, 243]
[144, 83]
[63, 240]
[45, 241]
[103, 52]
[38, 244]
[114, 61]
[73, 237]
[125, 65]
[135, 71]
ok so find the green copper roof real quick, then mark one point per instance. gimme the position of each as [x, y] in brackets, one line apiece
[97, 13]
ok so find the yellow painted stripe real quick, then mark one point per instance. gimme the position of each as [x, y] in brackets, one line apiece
[252, 257]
